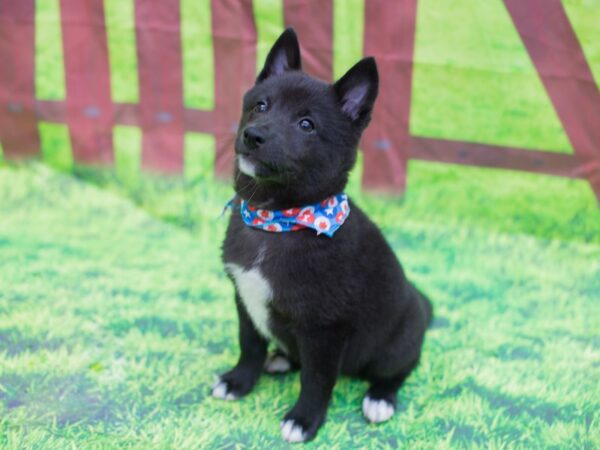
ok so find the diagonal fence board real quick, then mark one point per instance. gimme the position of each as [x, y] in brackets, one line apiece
[566, 75]
[18, 123]
[89, 108]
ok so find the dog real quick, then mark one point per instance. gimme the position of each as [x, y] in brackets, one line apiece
[312, 274]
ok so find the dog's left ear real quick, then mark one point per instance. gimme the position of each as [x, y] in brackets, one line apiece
[284, 56]
[357, 90]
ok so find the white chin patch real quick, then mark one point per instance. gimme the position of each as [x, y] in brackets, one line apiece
[292, 432]
[377, 410]
[246, 166]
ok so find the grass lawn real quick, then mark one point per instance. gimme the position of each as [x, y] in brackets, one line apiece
[115, 315]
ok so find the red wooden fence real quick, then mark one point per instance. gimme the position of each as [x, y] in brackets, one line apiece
[87, 74]
[18, 122]
[389, 36]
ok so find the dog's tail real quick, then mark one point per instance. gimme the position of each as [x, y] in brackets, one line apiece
[425, 304]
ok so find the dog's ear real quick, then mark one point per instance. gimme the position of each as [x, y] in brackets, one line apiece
[357, 90]
[284, 56]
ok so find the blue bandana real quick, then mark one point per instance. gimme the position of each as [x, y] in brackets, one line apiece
[325, 217]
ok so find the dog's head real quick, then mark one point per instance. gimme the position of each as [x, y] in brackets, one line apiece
[298, 136]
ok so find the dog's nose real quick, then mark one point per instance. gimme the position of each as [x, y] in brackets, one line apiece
[253, 138]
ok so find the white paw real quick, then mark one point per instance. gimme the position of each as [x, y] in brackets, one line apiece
[292, 432]
[377, 410]
[219, 390]
[277, 364]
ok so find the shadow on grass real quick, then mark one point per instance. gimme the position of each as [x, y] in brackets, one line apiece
[64, 399]
[14, 342]
[517, 406]
[203, 332]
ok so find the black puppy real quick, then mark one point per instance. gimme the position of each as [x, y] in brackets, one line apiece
[332, 303]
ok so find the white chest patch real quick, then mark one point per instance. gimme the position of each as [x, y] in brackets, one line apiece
[255, 291]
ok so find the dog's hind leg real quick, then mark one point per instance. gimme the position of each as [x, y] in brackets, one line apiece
[279, 363]
[380, 400]
[397, 359]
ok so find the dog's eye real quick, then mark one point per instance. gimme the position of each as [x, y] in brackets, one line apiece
[260, 107]
[306, 125]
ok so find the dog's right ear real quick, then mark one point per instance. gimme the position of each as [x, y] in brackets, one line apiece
[284, 56]
[357, 90]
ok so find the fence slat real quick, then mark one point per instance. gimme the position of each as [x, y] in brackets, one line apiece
[18, 124]
[494, 156]
[390, 37]
[158, 32]
[234, 38]
[197, 120]
[559, 59]
[88, 105]
[50, 110]
[313, 22]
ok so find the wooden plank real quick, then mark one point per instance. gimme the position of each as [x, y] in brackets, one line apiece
[234, 37]
[18, 123]
[161, 94]
[499, 157]
[51, 111]
[313, 23]
[198, 120]
[88, 104]
[126, 114]
[560, 62]
[390, 38]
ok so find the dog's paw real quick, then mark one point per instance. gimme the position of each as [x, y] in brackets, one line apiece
[377, 410]
[221, 389]
[233, 385]
[301, 427]
[277, 363]
[292, 432]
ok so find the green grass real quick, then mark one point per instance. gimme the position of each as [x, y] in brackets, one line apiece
[197, 54]
[115, 316]
[269, 25]
[49, 69]
[121, 41]
[585, 15]
[56, 145]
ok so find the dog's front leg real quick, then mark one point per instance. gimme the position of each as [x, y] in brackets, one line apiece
[320, 359]
[253, 351]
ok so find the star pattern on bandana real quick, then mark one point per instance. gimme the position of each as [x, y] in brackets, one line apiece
[325, 217]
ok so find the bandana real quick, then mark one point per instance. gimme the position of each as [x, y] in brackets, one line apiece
[325, 217]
